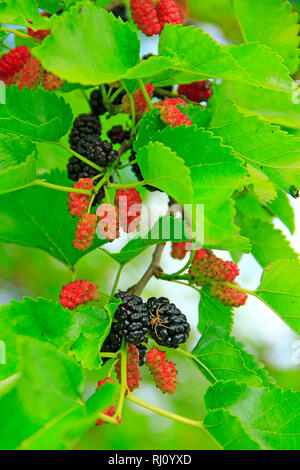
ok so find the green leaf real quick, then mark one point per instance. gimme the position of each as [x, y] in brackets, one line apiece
[43, 410]
[215, 173]
[273, 23]
[263, 187]
[17, 162]
[268, 244]
[272, 151]
[280, 290]
[241, 418]
[211, 311]
[20, 11]
[278, 107]
[164, 230]
[282, 209]
[49, 385]
[252, 58]
[155, 161]
[36, 114]
[220, 357]
[39, 217]
[41, 319]
[196, 56]
[94, 324]
[92, 29]
[148, 126]
[248, 205]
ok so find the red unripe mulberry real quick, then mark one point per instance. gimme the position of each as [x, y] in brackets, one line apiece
[213, 268]
[133, 375]
[129, 203]
[85, 232]
[145, 17]
[31, 74]
[197, 91]
[78, 204]
[77, 293]
[167, 12]
[171, 115]
[12, 62]
[162, 370]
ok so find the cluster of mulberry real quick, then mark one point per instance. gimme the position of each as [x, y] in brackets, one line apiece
[140, 103]
[18, 67]
[151, 17]
[85, 232]
[78, 204]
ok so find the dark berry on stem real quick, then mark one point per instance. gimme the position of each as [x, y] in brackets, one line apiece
[113, 341]
[168, 325]
[102, 153]
[84, 125]
[132, 320]
[118, 135]
[120, 12]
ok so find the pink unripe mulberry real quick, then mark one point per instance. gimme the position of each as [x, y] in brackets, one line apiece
[145, 16]
[167, 12]
[12, 62]
[213, 268]
[162, 370]
[228, 296]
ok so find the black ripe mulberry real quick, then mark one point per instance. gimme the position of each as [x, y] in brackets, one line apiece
[84, 125]
[102, 153]
[113, 341]
[168, 325]
[118, 135]
[132, 319]
[142, 348]
[120, 12]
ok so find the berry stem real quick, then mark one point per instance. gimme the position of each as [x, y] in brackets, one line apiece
[107, 419]
[127, 164]
[62, 188]
[123, 388]
[109, 355]
[144, 91]
[133, 116]
[167, 414]
[191, 257]
[21, 35]
[125, 186]
[114, 288]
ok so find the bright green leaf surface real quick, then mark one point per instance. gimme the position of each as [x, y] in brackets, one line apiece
[271, 22]
[105, 46]
[223, 358]
[280, 289]
[247, 418]
[17, 162]
[36, 114]
[39, 217]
